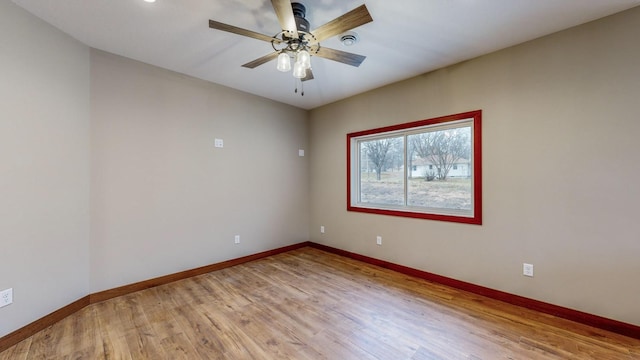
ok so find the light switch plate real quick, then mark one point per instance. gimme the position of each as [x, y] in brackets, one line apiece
[527, 269]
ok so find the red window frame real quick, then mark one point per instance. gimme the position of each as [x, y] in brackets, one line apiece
[476, 217]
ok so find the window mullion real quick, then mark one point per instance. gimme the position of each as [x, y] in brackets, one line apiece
[406, 169]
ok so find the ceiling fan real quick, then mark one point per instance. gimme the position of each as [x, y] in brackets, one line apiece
[296, 41]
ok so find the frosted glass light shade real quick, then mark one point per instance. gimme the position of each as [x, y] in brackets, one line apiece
[299, 71]
[304, 58]
[284, 62]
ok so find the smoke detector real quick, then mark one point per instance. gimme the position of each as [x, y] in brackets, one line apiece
[349, 38]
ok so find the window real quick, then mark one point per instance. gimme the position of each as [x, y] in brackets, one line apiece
[428, 169]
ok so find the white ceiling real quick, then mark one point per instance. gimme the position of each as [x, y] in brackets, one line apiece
[405, 39]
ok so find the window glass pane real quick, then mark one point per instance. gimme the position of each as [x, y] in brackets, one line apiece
[441, 169]
[382, 171]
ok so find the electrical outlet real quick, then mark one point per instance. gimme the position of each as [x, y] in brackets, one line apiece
[6, 297]
[237, 239]
[321, 229]
[379, 240]
[219, 143]
[527, 270]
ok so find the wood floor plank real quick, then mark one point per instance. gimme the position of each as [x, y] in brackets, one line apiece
[20, 351]
[309, 304]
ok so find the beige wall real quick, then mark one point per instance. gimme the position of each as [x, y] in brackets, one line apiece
[109, 175]
[44, 167]
[163, 198]
[560, 153]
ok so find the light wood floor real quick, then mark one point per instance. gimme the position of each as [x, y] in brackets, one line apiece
[309, 304]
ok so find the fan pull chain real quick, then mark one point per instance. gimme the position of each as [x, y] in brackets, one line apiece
[301, 87]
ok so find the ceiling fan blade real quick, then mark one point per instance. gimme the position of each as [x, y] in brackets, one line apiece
[352, 19]
[309, 75]
[240, 31]
[287, 21]
[261, 60]
[341, 56]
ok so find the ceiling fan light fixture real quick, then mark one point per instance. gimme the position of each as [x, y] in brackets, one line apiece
[297, 43]
[299, 71]
[284, 62]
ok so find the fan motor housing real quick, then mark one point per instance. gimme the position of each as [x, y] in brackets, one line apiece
[299, 13]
